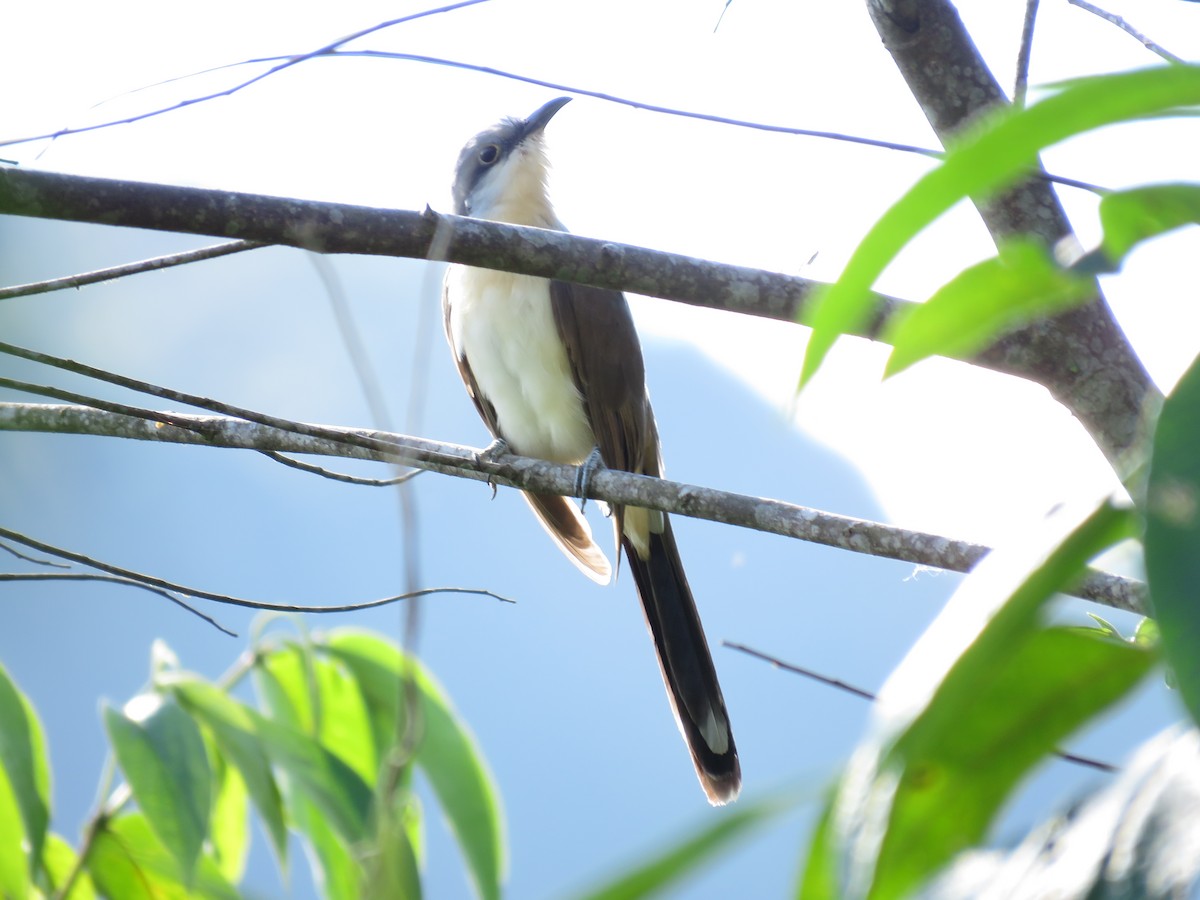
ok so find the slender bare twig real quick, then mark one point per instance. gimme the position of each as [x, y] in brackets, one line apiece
[799, 670]
[133, 268]
[33, 559]
[623, 488]
[286, 64]
[340, 476]
[115, 579]
[229, 599]
[778, 663]
[1128, 29]
[1022, 79]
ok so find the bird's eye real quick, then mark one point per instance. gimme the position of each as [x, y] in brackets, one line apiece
[489, 154]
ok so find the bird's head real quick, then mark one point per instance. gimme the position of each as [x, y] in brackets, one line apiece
[501, 172]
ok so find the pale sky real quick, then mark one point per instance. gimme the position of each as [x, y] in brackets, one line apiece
[943, 447]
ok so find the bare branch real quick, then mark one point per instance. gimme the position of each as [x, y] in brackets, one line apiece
[778, 663]
[774, 516]
[1082, 356]
[163, 585]
[340, 228]
[115, 579]
[133, 268]
[1022, 80]
[340, 476]
[1128, 29]
[287, 63]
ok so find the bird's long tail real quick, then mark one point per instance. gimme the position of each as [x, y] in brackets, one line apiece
[686, 664]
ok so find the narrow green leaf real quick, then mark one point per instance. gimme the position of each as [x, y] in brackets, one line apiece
[24, 767]
[233, 728]
[683, 859]
[393, 869]
[60, 859]
[229, 832]
[960, 714]
[1130, 217]
[1173, 534]
[287, 688]
[336, 872]
[997, 152]
[819, 880]
[162, 755]
[15, 872]
[957, 765]
[1138, 837]
[345, 724]
[128, 861]
[336, 789]
[448, 754]
[984, 302]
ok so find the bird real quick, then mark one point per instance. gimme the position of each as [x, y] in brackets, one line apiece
[555, 370]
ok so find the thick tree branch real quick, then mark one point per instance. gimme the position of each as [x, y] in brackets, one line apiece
[1081, 357]
[774, 516]
[341, 228]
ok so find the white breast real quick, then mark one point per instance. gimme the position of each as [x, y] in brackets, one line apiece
[502, 323]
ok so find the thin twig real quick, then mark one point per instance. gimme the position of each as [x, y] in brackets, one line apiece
[286, 64]
[799, 670]
[612, 486]
[778, 663]
[33, 559]
[1128, 29]
[340, 476]
[229, 599]
[114, 579]
[133, 268]
[1022, 80]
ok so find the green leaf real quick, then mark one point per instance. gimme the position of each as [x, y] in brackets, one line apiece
[287, 687]
[1130, 217]
[24, 768]
[128, 861]
[59, 859]
[336, 872]
[345, 724]
[336, 789]
[819, 880]
[233, 727]
[986, 159]
[230, 832]
[984, 302]
[981, 697]
[1136, 838]
[952, 780]
[162, 755]
[686, 857]
[14, 859]
[448, 753]
[394, 869]
[1173, 534]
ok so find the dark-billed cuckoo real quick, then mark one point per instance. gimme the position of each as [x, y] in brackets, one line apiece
[555, 370]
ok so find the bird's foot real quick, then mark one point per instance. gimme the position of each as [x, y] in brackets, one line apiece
[490, 453]
[583, 476]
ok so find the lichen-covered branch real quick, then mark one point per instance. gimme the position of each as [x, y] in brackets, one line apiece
[761, 514]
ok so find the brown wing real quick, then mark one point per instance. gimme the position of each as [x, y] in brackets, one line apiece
[558, 515]
[606, 361]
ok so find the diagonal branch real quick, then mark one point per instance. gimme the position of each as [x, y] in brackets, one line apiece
[774, 516]
[1081, 356]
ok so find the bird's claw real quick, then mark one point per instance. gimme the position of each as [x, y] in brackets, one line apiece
[583, 476]
[489, 454]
